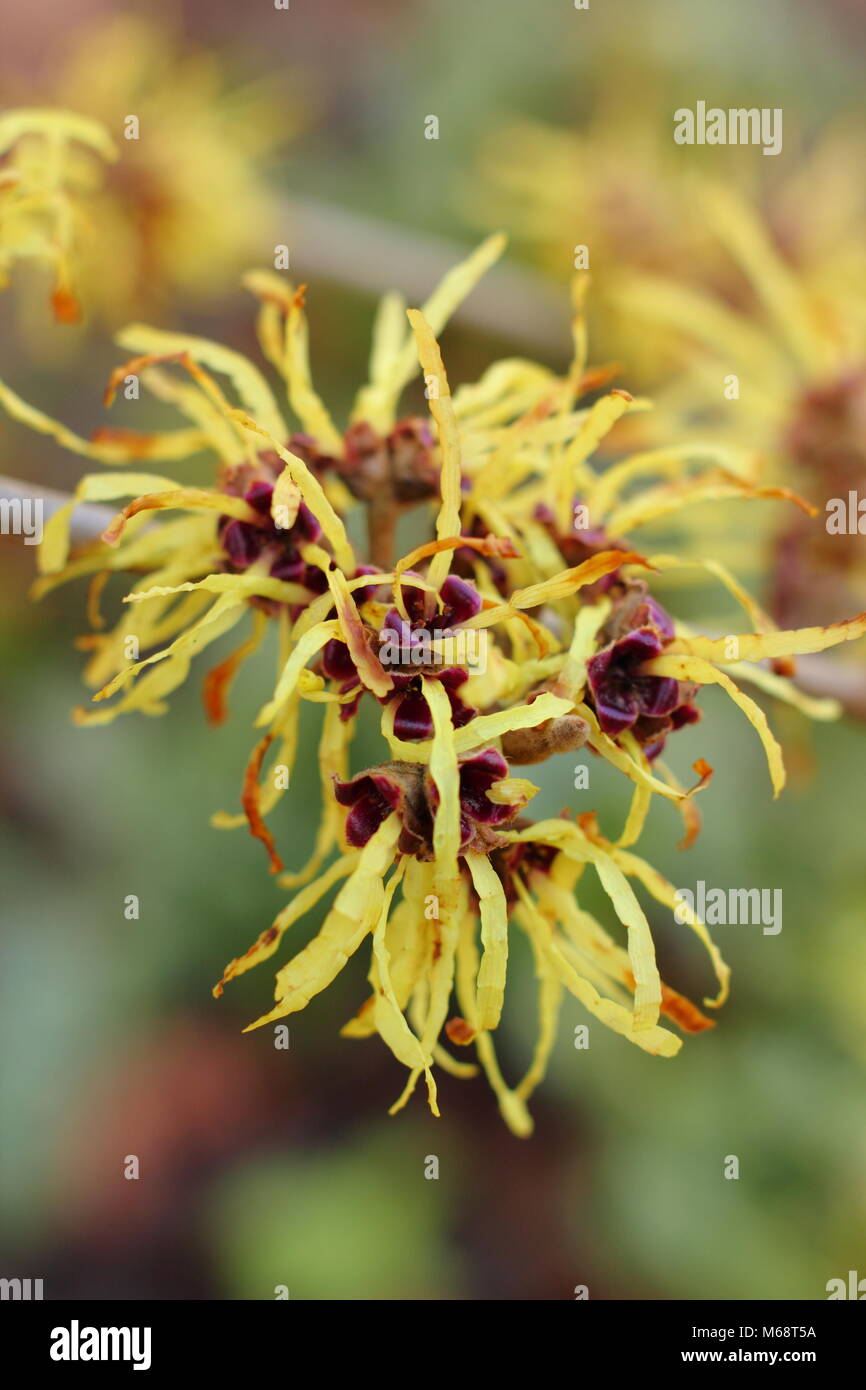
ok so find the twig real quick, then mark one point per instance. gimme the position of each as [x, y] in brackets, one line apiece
[355, 249]
[88, 521]
[824, 676]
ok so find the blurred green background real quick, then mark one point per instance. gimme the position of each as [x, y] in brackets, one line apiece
[260, 1167]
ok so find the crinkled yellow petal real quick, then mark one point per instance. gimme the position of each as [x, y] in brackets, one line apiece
[756, 646]
[221, 617]
[306, 646]
[268, 943]
[571, 680]
[390, 1021]
[665, 500]
[147, 695]
[138, 445]
[374, 402]
[487, 727]
[252, 389]
[512, 1107]
[407, 945]
[664, 892]
[151, 625]
[444, 772]
[212, 403]
[464, 1070]
[204, 407]
[247, 585]
[437, 310]
[442, 410]
[549, 1001]
[489, 400]
[570, 580]
[660, 1042]
[641, 797]
[333, 762]
[781, 688]
[193, 498]
[94, 487]
[305, 400]
[493, 613]
[599, 957]
[586, 942]
[599, 420]
[674, 461]
[574, 843]
[367, 663]
[693, 668]
[490, 986]
[190, 537]
[444, 931]
[762, 621]
[484, 729]
[321, 606]
[621, 760]
[103, 451]
[275, 296]
[354, 914]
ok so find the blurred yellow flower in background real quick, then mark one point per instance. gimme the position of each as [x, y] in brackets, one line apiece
[51, 167]
[735, 292]
[186, 206]
[783, 369]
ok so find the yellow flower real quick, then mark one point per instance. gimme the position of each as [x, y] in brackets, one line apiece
[737, 300]
[252, 541]
[786, 370]
[533, 551]
[579, 655]
[50, 169]
[186, 206]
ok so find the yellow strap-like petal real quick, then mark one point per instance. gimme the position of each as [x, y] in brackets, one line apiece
[490, 987]
[353, 916]
[757, 646]
[253, 390]
[311, 642]
[693, 668]
[442, 410]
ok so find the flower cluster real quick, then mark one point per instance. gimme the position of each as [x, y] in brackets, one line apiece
[431, 850]
[737, 299]
[143, 238]
[50, 161]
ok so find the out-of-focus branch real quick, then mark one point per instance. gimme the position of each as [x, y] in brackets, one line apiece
[824, 676]
[88, 521]
[355, 249]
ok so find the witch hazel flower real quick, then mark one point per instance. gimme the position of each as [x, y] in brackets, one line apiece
[421, 643]
[438, 863]
[50, 163]
[416, 644]
[245, 544]
[410, 790]
[198, 574]
[434, 864]
[623, 697]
